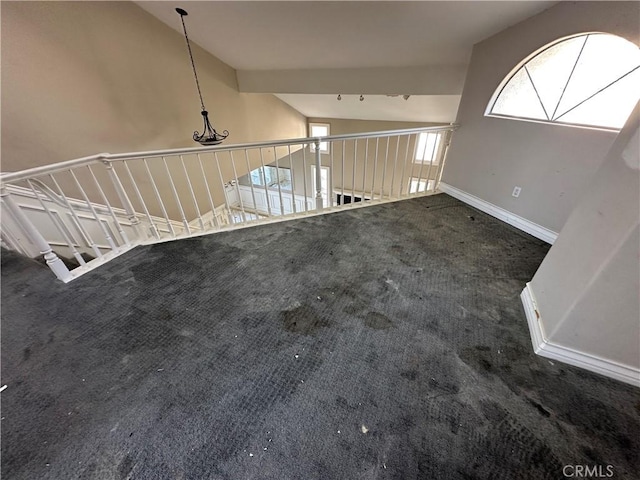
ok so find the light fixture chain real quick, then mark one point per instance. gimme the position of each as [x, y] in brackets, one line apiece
[193, 65]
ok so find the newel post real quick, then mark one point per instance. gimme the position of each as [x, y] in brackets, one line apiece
[55, 264]
[318, 177]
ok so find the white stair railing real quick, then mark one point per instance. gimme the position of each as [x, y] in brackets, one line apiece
[94, 208]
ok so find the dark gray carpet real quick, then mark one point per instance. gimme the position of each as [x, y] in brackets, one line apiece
[386, 342]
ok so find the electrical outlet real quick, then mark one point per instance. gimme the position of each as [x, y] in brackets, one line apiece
[516, 191]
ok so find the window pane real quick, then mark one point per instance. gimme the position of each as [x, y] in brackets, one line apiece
[551, 69]
[319, 130]
[519, 99]
[604, 59]
[256, 177]
[419, 186]
[269, 176]
[576, 81]
[611, 107]
[427, 148]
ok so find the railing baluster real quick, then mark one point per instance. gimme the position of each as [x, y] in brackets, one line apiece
[253, 193]
[235, 175]
[331, 177]
[304, 176]
[70, 244]
[426, 142]
[176, 197]
[266, 187]
[107, 235]
[375, 171]
[384, 170]
[230, 216]
[403, 184]
[124, 199]
[55, 264]
[343, 178]
[433, 154]
[159, 198]
[293, 183]
[395, 166]
[318, 194]
[193, 195]
[83, 231]
[121, 231]
[443, 156]
[152, 225]
[366, 161]
[275, 155]
[353, 176]
[214, 220]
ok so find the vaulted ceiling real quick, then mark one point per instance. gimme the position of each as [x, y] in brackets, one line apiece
[307, 52]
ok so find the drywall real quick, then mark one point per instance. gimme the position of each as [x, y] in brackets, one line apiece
[587, 286]
[552, 164]
[79, 78]
[431, 80]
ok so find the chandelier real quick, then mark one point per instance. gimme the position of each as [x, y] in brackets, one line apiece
[209, 136]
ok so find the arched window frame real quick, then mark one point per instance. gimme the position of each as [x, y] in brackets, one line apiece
[527, 59]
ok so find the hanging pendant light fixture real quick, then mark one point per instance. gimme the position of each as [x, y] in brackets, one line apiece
[209, 136]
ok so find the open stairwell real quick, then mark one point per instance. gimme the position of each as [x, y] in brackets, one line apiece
[79, 214]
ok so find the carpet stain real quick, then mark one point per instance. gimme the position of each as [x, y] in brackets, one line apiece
[543, 411]
[377, 321]
[303, 320]
[125, 467]
[477, 358]
[411, 375]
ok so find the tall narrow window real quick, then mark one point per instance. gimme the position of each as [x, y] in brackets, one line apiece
[324, 184]
[427, 148]
[320, 130]
[588, 80]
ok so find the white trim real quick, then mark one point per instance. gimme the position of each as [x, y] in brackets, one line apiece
[543, 347]
[500, 213]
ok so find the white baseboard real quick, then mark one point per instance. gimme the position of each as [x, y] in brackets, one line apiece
[500, 213]
[545, 348]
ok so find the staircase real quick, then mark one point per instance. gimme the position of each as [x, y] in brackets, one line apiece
[93, 209]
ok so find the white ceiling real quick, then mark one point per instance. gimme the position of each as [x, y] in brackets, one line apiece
[265, 35]
[254, 36]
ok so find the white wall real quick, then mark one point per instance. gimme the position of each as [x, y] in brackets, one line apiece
[587, 288]
[432, 80]
[552, 164]
[80, 78]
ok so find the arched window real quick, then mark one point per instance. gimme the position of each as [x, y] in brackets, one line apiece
[589, 80]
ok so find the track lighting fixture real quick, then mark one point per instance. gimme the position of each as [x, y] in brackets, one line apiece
[339, 97]
[361, 98]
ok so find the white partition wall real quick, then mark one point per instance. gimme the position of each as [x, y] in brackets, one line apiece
[583, 304]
